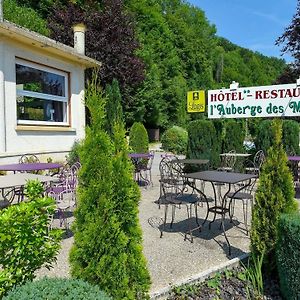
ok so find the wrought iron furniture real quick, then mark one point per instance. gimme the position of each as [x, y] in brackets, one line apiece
[224, 207]
[142, 166]
[257, 163]
[228, 161]
[28, 158]
[175, 193]
[64, 191]
[27, 167]
[8, 183]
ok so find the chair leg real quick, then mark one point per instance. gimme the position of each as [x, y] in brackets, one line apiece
[173, 215]
[165, 220]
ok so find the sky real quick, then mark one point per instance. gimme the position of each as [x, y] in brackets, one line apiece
[253, 24]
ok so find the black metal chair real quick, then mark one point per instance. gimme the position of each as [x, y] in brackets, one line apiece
[175, 192]
[254, 167]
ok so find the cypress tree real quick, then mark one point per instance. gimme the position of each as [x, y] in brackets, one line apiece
[107, 247]
[275, 195]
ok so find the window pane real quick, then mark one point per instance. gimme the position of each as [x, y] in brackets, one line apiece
[34, 80]
[29, 108]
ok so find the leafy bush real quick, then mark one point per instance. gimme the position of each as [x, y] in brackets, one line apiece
[73, 155]
[288, 255]
[56, 288]
[107, 211]
[175, 140]
[290, 136]
[138, 138]
[234, 136]
[203, 141]
[275, 195]
[24, 16]
[27, 243]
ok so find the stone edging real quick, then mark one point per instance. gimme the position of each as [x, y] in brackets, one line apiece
[163, 293]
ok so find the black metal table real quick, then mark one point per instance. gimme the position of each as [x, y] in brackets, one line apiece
[214, 177]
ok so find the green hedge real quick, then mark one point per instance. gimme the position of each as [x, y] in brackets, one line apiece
[234, 136]
[138, 138]
[290, 136]
[204, 141]
[288, 255]
[175, 140]
[57, 289]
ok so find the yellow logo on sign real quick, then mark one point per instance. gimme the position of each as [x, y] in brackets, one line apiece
[196, 101]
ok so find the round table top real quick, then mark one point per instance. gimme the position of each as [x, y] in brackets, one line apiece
[30, 167]
[140, 155]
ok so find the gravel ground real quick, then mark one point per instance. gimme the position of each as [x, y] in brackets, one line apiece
[170, 258]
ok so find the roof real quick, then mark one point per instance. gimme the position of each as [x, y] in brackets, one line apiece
[38, 41]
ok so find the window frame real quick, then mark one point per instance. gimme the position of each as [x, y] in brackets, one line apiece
[65, 99]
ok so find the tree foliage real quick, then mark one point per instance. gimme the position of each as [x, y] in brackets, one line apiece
[107, 211]
[138, 138]
[24, 16]
[274, 196]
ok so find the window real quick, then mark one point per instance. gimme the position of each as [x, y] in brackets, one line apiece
[42, 94]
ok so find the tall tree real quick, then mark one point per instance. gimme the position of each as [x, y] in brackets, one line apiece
[110, 37]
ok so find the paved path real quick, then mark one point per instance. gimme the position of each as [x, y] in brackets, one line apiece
[170, 258]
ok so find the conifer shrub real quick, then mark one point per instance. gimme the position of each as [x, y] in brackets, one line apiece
[107, 247]
[274, 196]
[288, 255]
[290, 136]
[73, 155]
[138, 138]
[57, 289]
[203, 141]
[234, 136]
[175, 140]
[113, 105]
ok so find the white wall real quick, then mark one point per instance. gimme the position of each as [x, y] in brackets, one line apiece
[16, 141]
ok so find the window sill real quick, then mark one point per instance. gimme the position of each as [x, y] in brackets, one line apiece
[45, 128]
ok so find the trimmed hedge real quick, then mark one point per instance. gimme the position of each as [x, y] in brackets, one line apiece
[288, 255]
[175, 140]
[138, 138]
[234, 136]
[204, 142]
[57, 289]
[290, 136]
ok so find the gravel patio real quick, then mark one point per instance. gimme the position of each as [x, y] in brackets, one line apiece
[171, 260]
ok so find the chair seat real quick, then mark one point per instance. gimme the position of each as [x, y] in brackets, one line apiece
[187, 198]
[4, 204]
[240, 195]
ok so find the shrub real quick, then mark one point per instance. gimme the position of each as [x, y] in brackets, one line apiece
[26, 241]
[113, 106]
[175, 140]
[234, 136]
[57, 288]
[138, 138]
[275, 195]
[288, 255]
[73, 155]
[107, 211]
[203, 141]
[265, 136]
[290, 136]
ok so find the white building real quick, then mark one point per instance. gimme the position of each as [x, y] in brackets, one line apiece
[41, 93]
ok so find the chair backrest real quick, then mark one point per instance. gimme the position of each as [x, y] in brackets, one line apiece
[259, 159]
[28, 158]
[229, 160]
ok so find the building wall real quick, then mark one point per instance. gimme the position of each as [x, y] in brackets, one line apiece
[17, 139]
